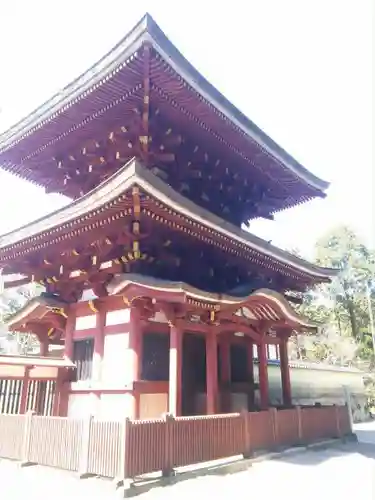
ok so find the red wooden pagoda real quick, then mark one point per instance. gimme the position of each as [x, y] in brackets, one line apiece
[154, 290]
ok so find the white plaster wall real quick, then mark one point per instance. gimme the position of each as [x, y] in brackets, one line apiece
[117, 317]
[159, 317]
[153, 405]
[115, 406]
[117, 360]
[85, 322]
[82, 405]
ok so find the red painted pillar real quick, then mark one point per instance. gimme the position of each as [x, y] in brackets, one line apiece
[57, 396]
[44, 347]
[285, 372]
[99, 343]
[25, 390]
[250, 371]
[69, 331]
[175, 371]
[263, 375]
[135, 339]
[211, 373]
[135, 343]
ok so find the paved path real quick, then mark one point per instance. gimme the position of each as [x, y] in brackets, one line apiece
[344, 472]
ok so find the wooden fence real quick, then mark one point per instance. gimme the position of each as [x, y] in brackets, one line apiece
[133, 448]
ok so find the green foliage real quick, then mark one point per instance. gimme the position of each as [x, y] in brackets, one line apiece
[343, 305]
[11, 300]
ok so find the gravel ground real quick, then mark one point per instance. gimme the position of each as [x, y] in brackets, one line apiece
[344, 472]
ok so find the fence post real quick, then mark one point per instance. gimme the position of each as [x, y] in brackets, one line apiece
[85, 447]
[299, 424]
[25, 457]
[122, 473]
[168, 465]
[275, 424]
[247, 434]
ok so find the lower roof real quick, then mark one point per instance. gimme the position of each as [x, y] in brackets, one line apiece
[98, 206]
[35, 361]
[260, 306]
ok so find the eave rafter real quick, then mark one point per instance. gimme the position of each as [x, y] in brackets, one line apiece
[261, 311]
[45, 317]
[127, 211]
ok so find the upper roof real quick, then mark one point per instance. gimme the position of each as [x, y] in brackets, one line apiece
[82, 104]
[104, 203]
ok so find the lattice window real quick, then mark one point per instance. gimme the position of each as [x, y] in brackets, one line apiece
[83, 354]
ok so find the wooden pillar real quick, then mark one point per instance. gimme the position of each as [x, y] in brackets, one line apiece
[25, 390]
[175, 370]
[250, 372]
[285, 372]
[99, 344]
[263, 375]
[69, 331]
[44, 347]
[211, 373]
[135, 362]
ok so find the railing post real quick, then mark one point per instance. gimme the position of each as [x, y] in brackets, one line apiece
[275, 425]
[122, 473]
[25, 457]
[247, 434]
[168, 464]
[85, 447]
[299, 424]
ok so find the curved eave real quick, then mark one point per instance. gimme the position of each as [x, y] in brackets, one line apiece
[35, 310]
[148, 31]
[272, 304]
[134, 174]
[35, 361]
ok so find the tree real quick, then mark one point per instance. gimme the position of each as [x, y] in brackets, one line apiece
[11, 300]
[341, 306]
[342, 249]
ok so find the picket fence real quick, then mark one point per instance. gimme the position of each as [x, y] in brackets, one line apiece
[133, 448]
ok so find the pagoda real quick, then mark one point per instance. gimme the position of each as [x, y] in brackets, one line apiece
[151, 287]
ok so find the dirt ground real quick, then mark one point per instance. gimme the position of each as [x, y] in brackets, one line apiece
[343, 472]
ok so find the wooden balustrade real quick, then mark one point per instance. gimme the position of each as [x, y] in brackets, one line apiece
[132, 448]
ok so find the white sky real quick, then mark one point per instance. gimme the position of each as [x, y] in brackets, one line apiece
[300, 69]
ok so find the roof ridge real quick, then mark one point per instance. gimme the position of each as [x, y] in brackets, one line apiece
[147, 30]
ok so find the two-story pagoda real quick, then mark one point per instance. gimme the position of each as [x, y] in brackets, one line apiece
[154, 290]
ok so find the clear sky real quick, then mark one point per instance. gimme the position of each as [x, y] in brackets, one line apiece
[300, 69]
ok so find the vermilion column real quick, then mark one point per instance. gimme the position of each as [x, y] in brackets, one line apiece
[44, 345]
[263, 375]
[99, 343]
[69, 330]
[175, 370]
[25, 390]
[211, 373]
[250, 371]
[285, 372]
[135, 362]
[135, 343]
